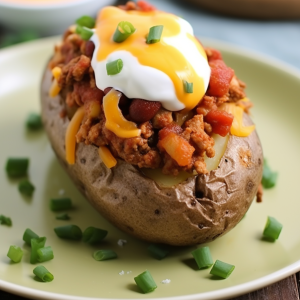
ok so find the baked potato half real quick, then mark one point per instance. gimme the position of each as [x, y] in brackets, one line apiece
[197, 210]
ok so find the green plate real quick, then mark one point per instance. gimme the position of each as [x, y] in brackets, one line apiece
[274, 89]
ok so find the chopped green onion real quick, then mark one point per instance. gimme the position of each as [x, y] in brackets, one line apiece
[272, 229]
[114, 67]
[221, 269]
[158, 251]
[70, 232]
[26, 187]
[34, 121]
[60, 204]
[188, 87]
[203, 257]
[84, 32]
[28, 235]
[17, 167]
[15, 253]
[5, 220]
[269, 177]
[104, 255]
[93, 235]
[145, 282]
[154, 35]
[123, 31]
[63, 217]
[36, 244]
[42, 273]
[45, 254]
[86, 21]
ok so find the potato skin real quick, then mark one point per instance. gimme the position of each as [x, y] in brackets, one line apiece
[198, 210]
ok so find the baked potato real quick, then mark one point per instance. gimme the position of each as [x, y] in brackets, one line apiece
[197, 208]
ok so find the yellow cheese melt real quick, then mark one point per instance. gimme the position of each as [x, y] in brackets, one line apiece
[55, 89]
[106, 156]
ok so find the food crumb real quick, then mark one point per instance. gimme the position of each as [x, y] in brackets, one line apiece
[121, 273]
[128, 272]
[61, 192]
[166, 281]
[121, 242]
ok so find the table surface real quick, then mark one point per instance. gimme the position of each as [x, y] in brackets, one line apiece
[278, 39]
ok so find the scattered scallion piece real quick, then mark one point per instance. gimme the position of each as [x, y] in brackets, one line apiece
[5, 220]
[34, 121]
[45, 254]
[28, 235]
[203, 257]
[123, 31]
[154, 35]
[269, 177]
[188, 87]
[157, 251]
[70, 232]
[100, 255]
[84, 32]
[60, 204]
[145, 282]
[26, 187]
[17, 167]
[221, 269]
[64, 217]
[42, 273]
[272, 229]
[36, 244]
[15, 253]
[114, 67]
[93, 235]
[86, 21]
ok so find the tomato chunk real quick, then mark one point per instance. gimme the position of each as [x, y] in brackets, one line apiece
[214, 54]
[220, 78]
[178, 148]
[172, 127]
[220, 121]
[145, 6]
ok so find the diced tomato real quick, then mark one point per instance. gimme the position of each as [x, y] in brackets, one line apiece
[145, 6]
[172, 127]
[220, 121]
[178, 148]
[220, 78]
[214, 54]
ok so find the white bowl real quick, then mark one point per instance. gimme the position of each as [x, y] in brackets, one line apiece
[47, 18]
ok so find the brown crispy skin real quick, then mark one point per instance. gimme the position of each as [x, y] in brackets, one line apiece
[198, 210]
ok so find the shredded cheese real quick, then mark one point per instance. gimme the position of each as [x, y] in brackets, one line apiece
[70, 138]
[55, 89]
[106, 156]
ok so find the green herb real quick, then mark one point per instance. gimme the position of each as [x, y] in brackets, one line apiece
[114, 67]
[17, 167]
[64, 217]
[28, 235]
[84, 32]
[269, 177]
[221, 269]
[93, 235]
[60, 204]
[203, 257]
[34, 121]
[157, 251]
[145, 282]
[100, 255]
[86, 21]
[26, 187]
[70, 232]
[154, 35]
[42, 273]
[36, 244]
[188, 87]
[5, 220]
[123, 31]
[272, 229]
[44, 254]
[15, 253]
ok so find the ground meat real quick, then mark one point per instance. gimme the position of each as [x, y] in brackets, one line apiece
[146, 130]
[162, 118]
[206, 104]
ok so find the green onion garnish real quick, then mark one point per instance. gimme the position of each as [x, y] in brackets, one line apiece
[272, 229]
[203, 257]
[86, 21]
[36, 244]
[188, 87]
[42, 273]
[145, 282]
[26, 187]
[114, 67]
[60, 204]
[45, 254]
[84, 32]
[5, 220]
[123, 31]
[221, 269]
[28, 235]
[93, 235]
[157, 251]
[104, 255]
[34, 121]
[154, 35]
[64, 217]
[16, 167]
[70, 232]
[15, 253]
[269, 177]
